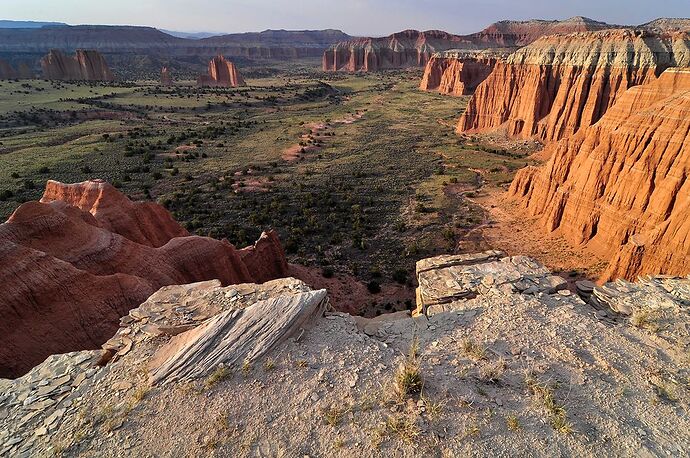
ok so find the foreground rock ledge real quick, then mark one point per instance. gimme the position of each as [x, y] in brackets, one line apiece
[257, 370]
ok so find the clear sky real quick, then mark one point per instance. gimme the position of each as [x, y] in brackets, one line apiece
[357, 17]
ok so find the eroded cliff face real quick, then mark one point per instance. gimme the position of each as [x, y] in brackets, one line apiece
[523, 33]
[221, 73]
[552, 88]
[74, 263]
[457, 73]
[621, 186]
[86, 65]
[409, 48]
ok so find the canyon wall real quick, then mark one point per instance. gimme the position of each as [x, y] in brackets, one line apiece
[409, 48]
[72, 264]
[621, 186]
[8, 72]
[456, 72]
[553, 87]
[85, 65]
[221, 73]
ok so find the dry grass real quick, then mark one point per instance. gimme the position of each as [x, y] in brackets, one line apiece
[473, 350]
[401, 427]
[408, 378]
[513, 423]
[545, 395]
[218, 375]
[334, 415]
[491, 372]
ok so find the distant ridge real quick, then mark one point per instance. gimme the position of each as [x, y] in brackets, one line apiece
[7, 24]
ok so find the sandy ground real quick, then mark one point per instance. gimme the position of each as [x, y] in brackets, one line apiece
[510, 229]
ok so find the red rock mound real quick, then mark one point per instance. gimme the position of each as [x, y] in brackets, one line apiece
[74, 263]
[560, 83]
[86, 65]
[221, 73]
[621, 186]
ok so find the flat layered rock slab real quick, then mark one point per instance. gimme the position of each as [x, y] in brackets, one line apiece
[234, 337]
[445, 279]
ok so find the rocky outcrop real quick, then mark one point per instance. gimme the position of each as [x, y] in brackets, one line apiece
[221, 73]
[7, 71]
[621, 186]
[220, 361]
[522, 33]
[86, 255]
[409, 48]
[552, 88]
[86, 65]
[458, 72]
[166, 77]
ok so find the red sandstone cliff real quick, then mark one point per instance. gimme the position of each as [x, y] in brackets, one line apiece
[410, 48]
[558, 84]
[457, 73]
[621, 186]
[221, 73]
[85, 65]
[74, 263]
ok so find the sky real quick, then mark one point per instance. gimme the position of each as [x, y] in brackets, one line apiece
[356, 17]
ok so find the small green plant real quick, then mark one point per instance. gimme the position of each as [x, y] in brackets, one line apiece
[269, 364]
[221, 373]
[334, 415]
[246, 367]
[545, 395]
[403, 427]
[408, 378]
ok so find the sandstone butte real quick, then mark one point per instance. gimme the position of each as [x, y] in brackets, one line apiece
[412, 48]
[85, 65]
[166, 77]
[621, 186]
[221, 73]
[458, 72]
[7, 71]
[72, 264]
[558, 84]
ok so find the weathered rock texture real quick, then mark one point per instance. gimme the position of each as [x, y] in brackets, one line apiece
[558, 84]
[409, 48]
[412, 48]
[457, 72]
[86, 65]
[166, 77]
[229, 378]
[523, 33]
[221, 73]
[621, 186]
[75, 262]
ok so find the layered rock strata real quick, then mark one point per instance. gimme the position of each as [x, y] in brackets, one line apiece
[85, 65]
[621, 186]
[86, 255]
[505, 337]
[410, 48]
[458, 72]
[221, 73]
[559, 84]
